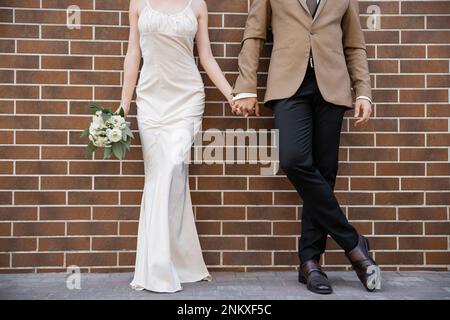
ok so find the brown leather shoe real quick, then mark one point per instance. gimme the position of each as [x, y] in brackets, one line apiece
[316, 280]
[365, 267]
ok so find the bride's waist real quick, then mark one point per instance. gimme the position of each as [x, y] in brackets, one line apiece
[187, 71]
[177, 65]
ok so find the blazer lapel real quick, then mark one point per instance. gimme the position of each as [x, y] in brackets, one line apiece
[305, 6]
[319, 8]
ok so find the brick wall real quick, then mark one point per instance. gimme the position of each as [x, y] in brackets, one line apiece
[58, 208]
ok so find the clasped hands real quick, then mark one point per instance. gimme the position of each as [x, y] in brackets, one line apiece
[245, 107]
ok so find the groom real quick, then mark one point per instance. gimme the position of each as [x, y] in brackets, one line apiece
[318, 54]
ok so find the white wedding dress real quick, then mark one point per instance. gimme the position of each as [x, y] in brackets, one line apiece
[170, 102]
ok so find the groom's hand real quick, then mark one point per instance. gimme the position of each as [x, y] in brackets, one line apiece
[362, 106]
[247, 106]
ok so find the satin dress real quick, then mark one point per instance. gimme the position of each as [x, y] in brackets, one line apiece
[170, 101]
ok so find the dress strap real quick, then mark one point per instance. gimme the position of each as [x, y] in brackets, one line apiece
[188, 5]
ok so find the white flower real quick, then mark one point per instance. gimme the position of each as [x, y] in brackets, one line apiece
[93, 128]
[101, 142]
[114, 135]
[117, 119]
[99, 112]
[97, 119]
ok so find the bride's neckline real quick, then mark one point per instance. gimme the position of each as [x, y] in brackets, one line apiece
[168, 13]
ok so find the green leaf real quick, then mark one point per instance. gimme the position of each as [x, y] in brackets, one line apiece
[122, 112]
[85, 133]
[127, 132]
[106, 116]
[124, 149]
[90, 149]
[107, 153]
[117, 150]
[95, 107]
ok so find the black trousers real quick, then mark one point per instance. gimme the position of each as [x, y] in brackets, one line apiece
[309, 134]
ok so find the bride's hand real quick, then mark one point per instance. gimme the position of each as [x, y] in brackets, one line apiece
[232, 104]
[125, 109]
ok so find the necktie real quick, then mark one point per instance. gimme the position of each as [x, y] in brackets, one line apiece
[312, 6]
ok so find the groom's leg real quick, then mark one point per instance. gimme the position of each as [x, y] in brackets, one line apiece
[294, 117]
[313, 238]
[327, 124]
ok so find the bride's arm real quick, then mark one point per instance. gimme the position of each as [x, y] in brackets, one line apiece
[132, 59]
[204, 51]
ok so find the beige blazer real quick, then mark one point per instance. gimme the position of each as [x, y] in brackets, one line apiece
[334, 35]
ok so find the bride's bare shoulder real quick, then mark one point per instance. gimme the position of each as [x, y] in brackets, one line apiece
[199, 7]
[137, 5]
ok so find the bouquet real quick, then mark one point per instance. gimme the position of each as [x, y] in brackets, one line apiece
[108, 130]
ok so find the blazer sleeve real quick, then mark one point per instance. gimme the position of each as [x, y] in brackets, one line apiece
[255, 35]
[355, 51]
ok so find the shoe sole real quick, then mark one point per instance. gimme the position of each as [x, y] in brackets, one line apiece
[302, 279]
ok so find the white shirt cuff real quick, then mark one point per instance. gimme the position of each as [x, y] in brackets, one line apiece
[365, 98]
[244, 95]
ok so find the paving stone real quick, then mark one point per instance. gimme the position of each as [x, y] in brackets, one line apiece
[227, 286]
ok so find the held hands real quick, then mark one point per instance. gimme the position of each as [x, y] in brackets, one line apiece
[245, 107]
[362, 106]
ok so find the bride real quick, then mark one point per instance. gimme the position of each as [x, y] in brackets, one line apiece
[170, 102]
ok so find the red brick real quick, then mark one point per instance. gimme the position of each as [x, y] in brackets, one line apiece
[64, 244]
[18, 213]
[116, 213]
[442, 257]
[93, 197]
[399, 258]
[423, 243]
[37, 259]
[41, 167]
[39, 197]
[113, 243]
[92, 259]
[38, 228]
[247, 258]
[403, 228]
[272, 243]
[220, 213]
[437, 228]
[246, 228]
[422, 213]
[17, 244]
[92, 228]
[222, 243]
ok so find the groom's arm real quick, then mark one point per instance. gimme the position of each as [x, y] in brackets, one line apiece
[255, 35]
[355, 52]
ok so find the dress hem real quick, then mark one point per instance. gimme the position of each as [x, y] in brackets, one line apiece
[136, 287]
